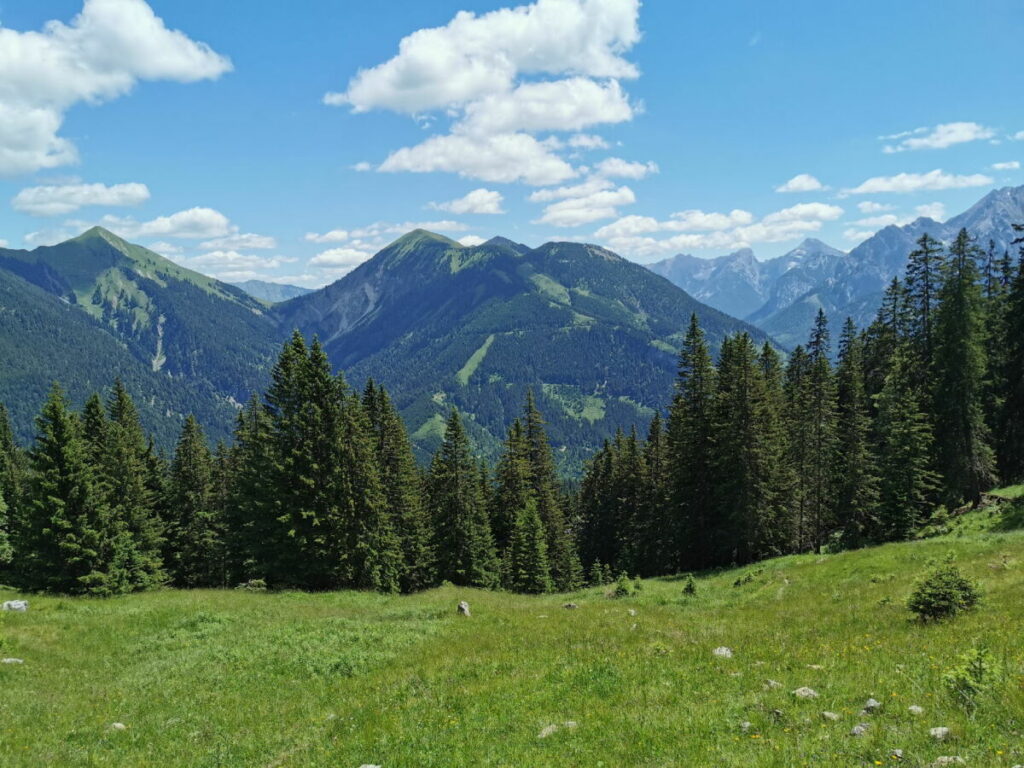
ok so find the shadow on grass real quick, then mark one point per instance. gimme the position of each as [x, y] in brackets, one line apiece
[1012, 518]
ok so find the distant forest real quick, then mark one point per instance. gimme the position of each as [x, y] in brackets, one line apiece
[755, 456]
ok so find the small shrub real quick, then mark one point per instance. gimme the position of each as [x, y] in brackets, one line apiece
[638, 584]
[943, 593]
[624, 586]
[690, 587]
[253, 585]
[746, 578]
[972, 677]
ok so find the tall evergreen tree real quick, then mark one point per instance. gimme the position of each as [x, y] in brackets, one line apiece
[599, 541]
[906, 480]
[821, 424]
[1010, 435]
[195, 536]
[12, 478]
[856, 470]
[658, 551]
[690, 449]
[125, 472]
[253, 529]
[566, 570]
[924, 278]
[778, 532]
[402, 487]
[799, 443]
[965, 457]
[67, 542]
[513, 487]
[466, 552]
[526, 563]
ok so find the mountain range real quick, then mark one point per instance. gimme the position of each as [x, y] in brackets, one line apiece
[438, 323]
[272, 293]
[782, 295]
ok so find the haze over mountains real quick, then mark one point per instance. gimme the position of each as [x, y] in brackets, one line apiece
[782, 295]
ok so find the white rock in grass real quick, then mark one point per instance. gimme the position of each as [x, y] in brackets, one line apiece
[830, 716]
[949, 760]
[769, 684]
[12, 661]
[16, 605]
[547, 730]
[632, 612]
[367, 765]
[859, 729]
[118, 727]
[723, 652]
[464, 608]
[745, 726]
[805, 693]
[939, 734]
[915, 710]
[570, 724]
[871, 706]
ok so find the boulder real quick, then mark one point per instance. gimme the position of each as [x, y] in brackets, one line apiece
[859, 729]
[16, 605]
[723, 652]
[463, 608]
[830, 716]
[939, 734]
[805, 693]
[914, 709]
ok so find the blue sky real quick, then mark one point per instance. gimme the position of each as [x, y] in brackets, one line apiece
[290, 141]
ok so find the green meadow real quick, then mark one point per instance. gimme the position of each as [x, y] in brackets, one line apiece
[234, 678]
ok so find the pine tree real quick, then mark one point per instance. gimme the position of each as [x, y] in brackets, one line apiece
[904, 452]
[599, 540]
[513, 487]
[566, 570]
[924, 278]
[124, 469]
[822, 432]
[658, 552]
[888, 331]
[402, 486]
[253, 530]
[67, 540]
[526, 564]
[965, 458]
[1010, 435]
[856, 470]
[690, 449]
[778, 532]
[630, 497]
[195, 536]
[799, 444]
[465, 551]
[12, 473]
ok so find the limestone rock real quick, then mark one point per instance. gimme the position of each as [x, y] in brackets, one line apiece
[464, 608]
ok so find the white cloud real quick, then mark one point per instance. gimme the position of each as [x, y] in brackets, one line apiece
[802, 182]
[3, 243]
[384, 228]
[858, 235]
[1018, 136]
[340, 261]
[225, 261]
[584, 209]
[333, 236]
[883, 220]
[587, 141]
[474, 56]
[504, 158]
[239, 241]
[587, 187]
[501, 77]
[166, 249]
[478, 201]
[362, 166]
[867, 206]
[471, 240]
[193, 223]
[697, 230]
[939, 137]
[1011, 165]
[58, 200]
[935, 211]
[617, 168]
[916, 182]
[99, 56]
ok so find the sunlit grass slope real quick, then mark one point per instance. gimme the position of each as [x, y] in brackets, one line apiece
[337, 680]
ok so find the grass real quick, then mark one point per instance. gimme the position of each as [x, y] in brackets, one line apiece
[227, 678]
[466, 372]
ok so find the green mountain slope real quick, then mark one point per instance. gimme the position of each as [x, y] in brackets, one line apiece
[441, 324]
[211, 340]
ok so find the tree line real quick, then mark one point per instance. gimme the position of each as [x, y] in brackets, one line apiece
[757, 456]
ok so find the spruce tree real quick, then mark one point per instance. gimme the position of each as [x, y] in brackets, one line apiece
[566, 570]
[856, 469]
[252, 527]
[821, 425]
[125, 472]
[195, 536]
[12, 477]
[906, 480]
[513, 487]
[799, 443]
[965, 458]
[67, 541]
[466, 554]
[526, 564]
[1010, 435]
[778, 532]
[690, 451]
[658, 552]
[599, 540]
[924, 279]
[402, 486]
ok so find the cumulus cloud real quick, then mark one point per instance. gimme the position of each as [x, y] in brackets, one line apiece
[221, 261]
[1018, 136]
[194, 223]
[62, 199]
[864, 228]
[502, 77]
[1011, 165]
[98, 56]
[471, 240]
[3, 243]
[333, 236]
[337, 262]
[697, 230]
[166, 249]
[478, 201]
[503, 158]
[917, 182]
[584, 209]
[617, 168]
[869, 206]
[939, 137]
[802, 182]
[239, 241]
